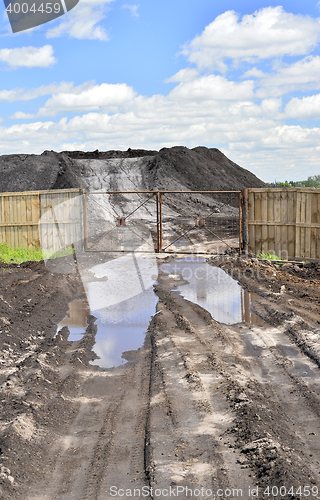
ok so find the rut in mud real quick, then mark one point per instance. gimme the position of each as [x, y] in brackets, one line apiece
[200, 405]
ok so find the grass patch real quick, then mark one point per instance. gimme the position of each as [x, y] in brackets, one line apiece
[11, 255]
[269, 256]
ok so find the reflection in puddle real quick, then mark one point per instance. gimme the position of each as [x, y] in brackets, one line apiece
[214, 290]
[75, 319]
[120, 295]
[122, 327]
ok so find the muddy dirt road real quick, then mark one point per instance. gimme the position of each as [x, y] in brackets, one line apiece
[202, 410]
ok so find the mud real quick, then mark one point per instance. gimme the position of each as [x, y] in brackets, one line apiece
[226, 408]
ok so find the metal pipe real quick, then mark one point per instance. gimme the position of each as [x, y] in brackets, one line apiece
[158, 239]
[160, 226]
[86, 221]
[240, 224]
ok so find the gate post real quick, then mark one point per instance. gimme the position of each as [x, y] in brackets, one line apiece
[160, 221]
[245, 215]
[158, 231]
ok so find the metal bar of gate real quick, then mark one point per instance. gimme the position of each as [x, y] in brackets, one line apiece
[160, 226]
[159, 200]
[240, 223]
[158, 239]
[125, 192]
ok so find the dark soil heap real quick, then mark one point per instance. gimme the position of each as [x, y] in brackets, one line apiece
[178, 167]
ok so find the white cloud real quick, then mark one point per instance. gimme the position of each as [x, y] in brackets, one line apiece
[29, 57]
[268, 33]
[301, 75]
[304, 108]
[213, 87]
[93, 97]
[184, 75]
[255, 72]
[82, 22]
[21, 94]
[133, 9]
[20, 115]
[256, 138]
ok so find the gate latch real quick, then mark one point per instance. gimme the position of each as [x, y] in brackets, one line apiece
[121, 221]
[200, 222]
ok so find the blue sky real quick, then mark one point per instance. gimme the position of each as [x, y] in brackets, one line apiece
[240, 76]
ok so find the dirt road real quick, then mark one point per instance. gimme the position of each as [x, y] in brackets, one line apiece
[203, 409]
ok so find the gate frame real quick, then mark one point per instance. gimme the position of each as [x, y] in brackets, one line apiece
[200, 192]
[154, 193]
[159, 200]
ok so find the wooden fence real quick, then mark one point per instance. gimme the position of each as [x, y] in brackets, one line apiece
[50, 220]
[284, 221]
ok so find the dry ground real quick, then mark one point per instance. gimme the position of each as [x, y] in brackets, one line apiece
[217, 409]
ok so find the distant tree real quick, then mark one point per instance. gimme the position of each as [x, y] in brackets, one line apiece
[312, 181]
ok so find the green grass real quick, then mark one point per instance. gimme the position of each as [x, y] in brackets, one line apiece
[11, 255]
[269, 256]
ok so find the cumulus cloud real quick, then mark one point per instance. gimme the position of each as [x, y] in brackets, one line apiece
[304, 108]
[132, 8]
[184, 75]
[22, 94]
[83, 22]
[110, 97]
[254, 133]
[213, 87]
[304, 74]
[269, 32]
[30, 57]
[255, 73]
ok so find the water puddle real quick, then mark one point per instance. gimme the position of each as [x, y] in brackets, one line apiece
[75, 319]
[214, 290]
[120, 295]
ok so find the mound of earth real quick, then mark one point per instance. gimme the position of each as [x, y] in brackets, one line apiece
[176, 168]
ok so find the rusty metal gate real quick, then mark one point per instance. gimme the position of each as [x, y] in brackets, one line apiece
[163, 221]
[122, 221]
[199, 221]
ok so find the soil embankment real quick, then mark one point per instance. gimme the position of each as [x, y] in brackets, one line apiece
[176, 168]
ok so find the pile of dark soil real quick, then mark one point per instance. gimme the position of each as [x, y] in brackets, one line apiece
[176, 168]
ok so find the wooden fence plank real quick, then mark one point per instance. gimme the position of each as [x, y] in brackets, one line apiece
[303, 219]
[314, 203]
[298, 229]
[270, 217]
[291, 220]
[264, 228]
[257, 216]
[284, 228]
[308, 220]
[277, 229]
[252, 229]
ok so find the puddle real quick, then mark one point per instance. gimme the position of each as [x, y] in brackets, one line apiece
[122, 327]
[214, 290]
[75, 319]
[120, 295]
[287, 350]
[302, 370]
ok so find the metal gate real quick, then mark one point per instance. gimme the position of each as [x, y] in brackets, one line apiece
[122, 221]
[199, 221]
[163, 221]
